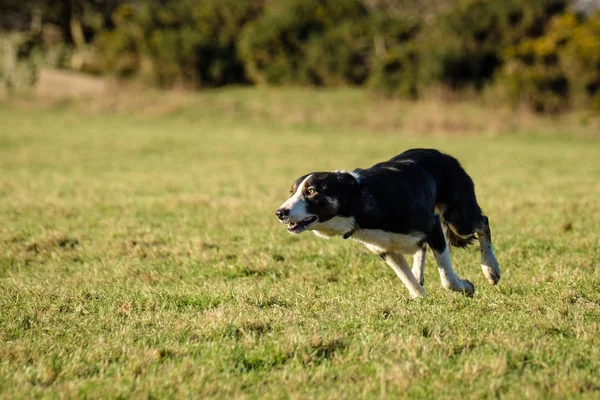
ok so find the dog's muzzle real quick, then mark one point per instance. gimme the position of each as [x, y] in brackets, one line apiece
[282, 214]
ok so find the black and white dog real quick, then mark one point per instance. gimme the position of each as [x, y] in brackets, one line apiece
[420, 197]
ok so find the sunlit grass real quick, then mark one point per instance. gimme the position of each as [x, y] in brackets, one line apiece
[140, 256]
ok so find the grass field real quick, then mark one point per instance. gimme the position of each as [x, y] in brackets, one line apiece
[140, 257]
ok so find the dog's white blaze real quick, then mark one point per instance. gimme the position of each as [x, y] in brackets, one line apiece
[336, 226]
[380, 241]
[296, 204]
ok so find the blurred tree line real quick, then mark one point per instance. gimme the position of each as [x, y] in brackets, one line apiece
[542, 53]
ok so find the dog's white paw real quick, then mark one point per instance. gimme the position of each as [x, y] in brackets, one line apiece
[418, 294]
[491, 272]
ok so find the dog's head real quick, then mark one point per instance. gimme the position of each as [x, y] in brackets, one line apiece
[318, 197]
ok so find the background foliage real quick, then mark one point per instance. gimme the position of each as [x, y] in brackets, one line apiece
[541, 53]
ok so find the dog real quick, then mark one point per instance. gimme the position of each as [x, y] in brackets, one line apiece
[419, 198]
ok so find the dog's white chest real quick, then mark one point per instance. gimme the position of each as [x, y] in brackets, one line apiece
[380, 241]
[376, 240]
[334, 227]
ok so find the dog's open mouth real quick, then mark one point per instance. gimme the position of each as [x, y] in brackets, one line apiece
[297, 227]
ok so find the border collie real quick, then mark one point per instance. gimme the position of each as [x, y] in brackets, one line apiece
[418, 198]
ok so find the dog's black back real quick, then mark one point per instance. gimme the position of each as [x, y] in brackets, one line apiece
[455, 198]
[421, 177]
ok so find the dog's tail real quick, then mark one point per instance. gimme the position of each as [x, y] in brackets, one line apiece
[455, 240]
[460, 220]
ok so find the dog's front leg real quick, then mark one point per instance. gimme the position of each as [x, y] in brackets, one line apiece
[402, 269]
[418, 268]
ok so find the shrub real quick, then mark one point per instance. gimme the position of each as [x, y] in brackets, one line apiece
[21, 56]
[464, 45]
[340, 56]
[284, 45]
[395, 61]
[179, 42]
[396, 73]
[331, 43]
[552, 72]
[581, 60]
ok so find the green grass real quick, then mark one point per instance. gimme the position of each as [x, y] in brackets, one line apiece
[140, 257]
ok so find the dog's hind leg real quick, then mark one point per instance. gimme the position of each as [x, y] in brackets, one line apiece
[489, 264]
[418, 268]
[402, 269]
[441, 251]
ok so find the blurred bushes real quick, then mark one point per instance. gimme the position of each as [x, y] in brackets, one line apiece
[464, 46]
[22, 52]
[536, 52]
[396, 56]
[557, 70]
[328, 43]
[182, 42]
[308, 41]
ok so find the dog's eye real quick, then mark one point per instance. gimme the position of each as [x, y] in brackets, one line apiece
[310, 191]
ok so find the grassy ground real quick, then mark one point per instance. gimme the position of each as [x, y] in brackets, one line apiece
[140, 256]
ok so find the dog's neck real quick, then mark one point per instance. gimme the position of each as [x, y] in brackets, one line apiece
[336, 226]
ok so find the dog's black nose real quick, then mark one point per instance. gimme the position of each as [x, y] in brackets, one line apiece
[282, 213]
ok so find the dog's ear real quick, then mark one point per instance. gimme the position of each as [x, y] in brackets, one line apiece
[350, 184]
